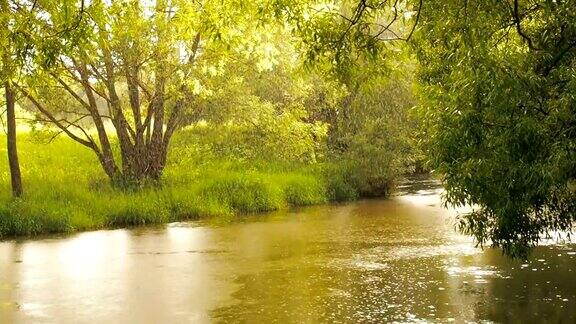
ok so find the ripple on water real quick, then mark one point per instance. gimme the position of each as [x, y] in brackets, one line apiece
[357, 264]
[428, 251]
[477, 272]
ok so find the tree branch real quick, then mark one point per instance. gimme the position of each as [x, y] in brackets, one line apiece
[86, 142]
[518, 21]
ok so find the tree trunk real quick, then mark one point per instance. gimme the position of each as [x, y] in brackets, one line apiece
[144, 163]
[15, 176]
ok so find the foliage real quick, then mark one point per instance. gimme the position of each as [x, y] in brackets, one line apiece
[137, 71]
[265, 106]
[196, 108]
[373, 128]
[497, 84]
[342, 35]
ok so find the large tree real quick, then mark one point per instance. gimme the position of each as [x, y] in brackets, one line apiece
[133, 75]
[497, 83]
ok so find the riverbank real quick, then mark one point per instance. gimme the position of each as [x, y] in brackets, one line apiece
[66, 191]
[371, 261]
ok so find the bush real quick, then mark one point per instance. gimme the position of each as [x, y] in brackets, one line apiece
[341, 184]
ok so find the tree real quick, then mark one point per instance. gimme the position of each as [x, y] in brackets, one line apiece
[135, 74]
[6, 77]
[372, 127]
[17, 48]
[15, 177]
[497, 82]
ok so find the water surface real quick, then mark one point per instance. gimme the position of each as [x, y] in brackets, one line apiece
[369, 261]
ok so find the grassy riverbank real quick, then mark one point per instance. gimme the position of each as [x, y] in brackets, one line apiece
[66, 191]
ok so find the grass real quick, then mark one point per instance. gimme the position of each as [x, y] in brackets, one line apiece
[66, 191]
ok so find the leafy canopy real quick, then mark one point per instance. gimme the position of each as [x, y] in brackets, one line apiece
[497, 82]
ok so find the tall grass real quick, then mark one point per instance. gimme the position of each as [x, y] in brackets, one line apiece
[66, 190]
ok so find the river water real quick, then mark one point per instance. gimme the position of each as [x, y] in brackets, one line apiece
[395, 260]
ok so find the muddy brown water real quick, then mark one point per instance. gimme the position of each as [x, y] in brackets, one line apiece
[395, 260]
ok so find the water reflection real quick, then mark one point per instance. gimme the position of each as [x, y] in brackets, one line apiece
[370, 261]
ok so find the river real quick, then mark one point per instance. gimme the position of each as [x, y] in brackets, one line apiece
[394, 260]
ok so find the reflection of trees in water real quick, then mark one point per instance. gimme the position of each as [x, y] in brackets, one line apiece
[421, 184]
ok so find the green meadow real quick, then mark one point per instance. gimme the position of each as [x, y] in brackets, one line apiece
[67, 191]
